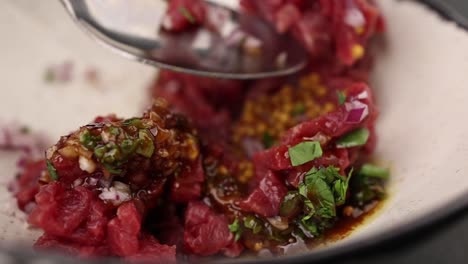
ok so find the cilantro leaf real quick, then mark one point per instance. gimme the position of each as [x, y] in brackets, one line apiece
[369, 170]
[305, 152]
[354, 138]
[235, 229]
[187, 15]
[341, 97]
[52, 171]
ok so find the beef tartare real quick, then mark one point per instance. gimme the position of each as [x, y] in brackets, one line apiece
[222, 167]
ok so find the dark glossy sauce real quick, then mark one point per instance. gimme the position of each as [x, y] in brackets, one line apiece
[346, 225]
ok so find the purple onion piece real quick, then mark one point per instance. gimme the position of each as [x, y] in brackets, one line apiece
[252, 146]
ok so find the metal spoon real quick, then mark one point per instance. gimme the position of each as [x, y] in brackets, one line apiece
[134, 29]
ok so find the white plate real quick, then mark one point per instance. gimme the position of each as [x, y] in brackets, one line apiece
[420, 81]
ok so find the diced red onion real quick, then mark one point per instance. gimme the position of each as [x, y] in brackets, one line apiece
[77, 182]
[251, 146]
[357, 111]
[354, 18]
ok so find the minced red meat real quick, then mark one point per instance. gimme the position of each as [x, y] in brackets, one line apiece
[224, 166]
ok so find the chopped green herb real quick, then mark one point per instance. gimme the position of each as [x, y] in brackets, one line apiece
[369, 170]
[354, 138]
[268, 140]
[317, 189]
[112, 170]
[146, 147]
[187, 15]
[136, 122]
[100, 151]
[310, 226]
[305, 152]
[251, 222]
[298, 109]
[322, 190]
[235, 229]
[341, 97]
[52, 171]
[88, 140]
[128, 146]
[341, 188]
[114, 131]
[112, 155]
[291, 204]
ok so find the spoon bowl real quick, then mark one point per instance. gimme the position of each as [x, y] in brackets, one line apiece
[232, 44]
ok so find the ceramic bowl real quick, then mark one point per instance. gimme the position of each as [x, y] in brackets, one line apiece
[420, 83]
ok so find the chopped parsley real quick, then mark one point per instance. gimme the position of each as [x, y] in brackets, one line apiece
[368, 185]
[88, 140]
[341, 97]
[322, 190]
[187, 15]
[305, 152]
[235, 228]
[52, 171]
[291, 204]
[369, 170]
[340, 188]
[354, 138]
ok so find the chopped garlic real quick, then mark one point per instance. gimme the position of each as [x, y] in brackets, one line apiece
[86, 164]
[105, 136]
[50, 152]
[117, 194]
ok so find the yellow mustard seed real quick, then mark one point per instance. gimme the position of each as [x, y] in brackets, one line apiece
[321, 91]
[359, 30]
[223, 170]
[328, 107]
[357, 51]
